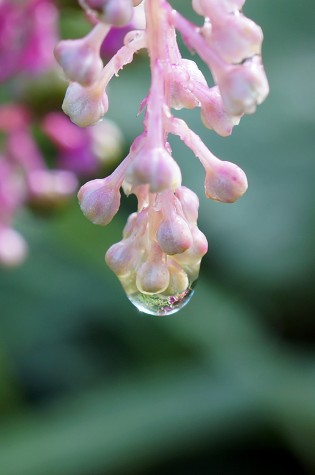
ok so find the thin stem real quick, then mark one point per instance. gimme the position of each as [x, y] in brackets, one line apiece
[119, 173]
[97, 35]
[157, 48]
[193, 141]
[172, 46]
[194, 40]
[123, 56]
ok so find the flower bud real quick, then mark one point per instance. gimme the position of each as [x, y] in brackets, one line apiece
[130, 225]
[244, 87]
[120, 259]
[113, 12]
[193, 71]
[155, 167]
[237, 38]
[79, 60]
[182, 78]
[189, 202]
[207, 7]
[174, 236]
[178, 278]
[13, 248]
[226, 182]
[214, 116]
[153, 277]
[181, 95]
[13, 116]
[118, 12]
[51, 187]
[99, 200]
[107, 140]
[200, 243]
[63, 133]
[194, 254]
[85, 105]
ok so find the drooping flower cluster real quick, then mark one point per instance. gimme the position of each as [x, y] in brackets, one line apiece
[158, 259]
[29, 33]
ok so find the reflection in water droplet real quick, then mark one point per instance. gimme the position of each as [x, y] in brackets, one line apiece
[174, 298]
[161, 304]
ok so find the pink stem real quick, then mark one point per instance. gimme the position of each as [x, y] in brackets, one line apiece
[193, 141]
[194, 40]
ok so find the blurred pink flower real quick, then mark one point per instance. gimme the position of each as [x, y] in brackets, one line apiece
[29, 32]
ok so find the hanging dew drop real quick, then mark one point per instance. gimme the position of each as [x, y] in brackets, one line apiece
[161, 304]
[180, 289]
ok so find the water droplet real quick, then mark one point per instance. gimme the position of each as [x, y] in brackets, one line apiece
[160, 304]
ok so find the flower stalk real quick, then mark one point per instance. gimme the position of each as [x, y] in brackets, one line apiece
[158, 258]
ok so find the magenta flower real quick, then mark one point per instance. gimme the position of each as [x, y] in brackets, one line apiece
[25, 178]
[28, 35]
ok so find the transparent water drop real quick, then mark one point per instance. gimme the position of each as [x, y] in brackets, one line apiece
[179, 292]
[160, 304]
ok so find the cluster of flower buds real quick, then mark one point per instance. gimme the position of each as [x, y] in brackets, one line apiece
[30, 28]
[159, 257]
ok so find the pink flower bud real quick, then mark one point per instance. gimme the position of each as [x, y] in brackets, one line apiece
[194, 254]
[120, 259]
[79, 60]
[193, 71]
[199, 7]
[118, 12]
[189, 202]
[13, 248]
[226, 182]
[181, 95]
[63, 133]
[200, 243]
[182, 78]
[155, 167]
[51, 187]
[179, 281]
[153, 277]
[237, 38]
[244, 87]
[99, 200]
[13, 117]
[174, 236]
[208, 7]
[130, 225]
[213, 114]
[85, 105]
[107, 141]
[114, 12]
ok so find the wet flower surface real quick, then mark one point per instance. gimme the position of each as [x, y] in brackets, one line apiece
[159, 257]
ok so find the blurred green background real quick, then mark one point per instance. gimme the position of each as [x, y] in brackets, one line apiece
[89, 386]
